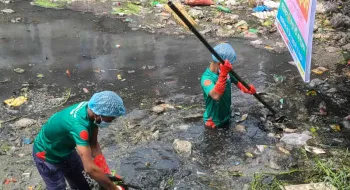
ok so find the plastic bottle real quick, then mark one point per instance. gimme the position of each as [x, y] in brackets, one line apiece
[223, 9]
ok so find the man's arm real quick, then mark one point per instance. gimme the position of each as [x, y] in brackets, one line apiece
[95, 146]
[92, 169]
[215, 91]
[240, 86]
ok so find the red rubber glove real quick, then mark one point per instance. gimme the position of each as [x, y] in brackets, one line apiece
[245, 90]
[221, 83]
[100, 161]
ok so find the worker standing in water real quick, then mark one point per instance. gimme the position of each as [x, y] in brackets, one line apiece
[216, 85]
[67, 143]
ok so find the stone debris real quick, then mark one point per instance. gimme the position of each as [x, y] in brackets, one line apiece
[24, 123]
[7, 11]
[183, 147]
[240, 128]
[155, 135]
[183, 127]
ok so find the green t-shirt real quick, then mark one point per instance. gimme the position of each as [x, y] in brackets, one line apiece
[62, 132]
[218, 112]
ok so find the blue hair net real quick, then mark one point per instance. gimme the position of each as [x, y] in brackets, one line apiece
[225, 51]
[107, 103]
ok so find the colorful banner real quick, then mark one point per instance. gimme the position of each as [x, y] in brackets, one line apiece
[295, 22]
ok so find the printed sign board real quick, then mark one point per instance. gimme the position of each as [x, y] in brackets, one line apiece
[295, 22]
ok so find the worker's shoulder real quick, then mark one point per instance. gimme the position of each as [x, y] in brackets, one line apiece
[74, 114]
[207, 75]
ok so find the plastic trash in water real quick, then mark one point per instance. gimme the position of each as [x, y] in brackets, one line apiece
[15, 102]
[261, 8]
[253, 30]
[271, 4]
[26, 140]
[319, 70]
[295, 139]
[68, 72]
[265, 14]
[223, 9]
[311, 93]
[154, 3]
[278, 78]
[282, 102]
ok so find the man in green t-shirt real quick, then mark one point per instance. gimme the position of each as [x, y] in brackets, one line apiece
[216, 87]
[67, 143]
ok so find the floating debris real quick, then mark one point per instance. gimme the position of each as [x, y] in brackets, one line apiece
[314, 150]
[265, 14]
[7, 11]
[40, 75]
[15, 102]
[85, 90]
[284, 150]
[19, 70]
[335, 127]
[319, 70]
[68, 72]
[243, 118]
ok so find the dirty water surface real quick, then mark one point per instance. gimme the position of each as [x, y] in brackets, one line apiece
[74, 51]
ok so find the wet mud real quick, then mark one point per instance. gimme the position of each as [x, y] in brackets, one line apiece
[147, 68]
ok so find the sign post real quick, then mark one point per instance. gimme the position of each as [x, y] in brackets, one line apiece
[295, 22]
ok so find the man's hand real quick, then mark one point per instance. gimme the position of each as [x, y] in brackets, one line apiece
[220, 85]
[100, 161]
[252, 89]
[93, 170]
[225, 68]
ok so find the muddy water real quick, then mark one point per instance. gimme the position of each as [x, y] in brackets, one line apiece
[151, 67]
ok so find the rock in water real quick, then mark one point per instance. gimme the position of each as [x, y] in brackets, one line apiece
[339, 20]
[315, 82]
[158, 109]
[183, 127]
[346, 47]
[274, 165]
[196, 13]
[155, 135]
[240, 128]
[23, 123]
[332, 49]
[183, 147]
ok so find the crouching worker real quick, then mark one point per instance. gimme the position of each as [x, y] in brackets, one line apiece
[216, 85]
[67, 143]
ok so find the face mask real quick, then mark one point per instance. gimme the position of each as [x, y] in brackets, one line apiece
[103, 124]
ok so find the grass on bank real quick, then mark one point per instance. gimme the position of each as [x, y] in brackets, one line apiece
[334, 171]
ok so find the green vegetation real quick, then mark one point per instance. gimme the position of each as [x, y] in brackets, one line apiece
[128, 9]
[49, 4]
[334, 171]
